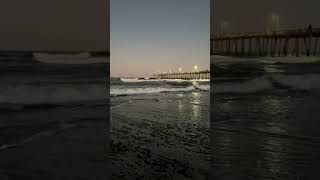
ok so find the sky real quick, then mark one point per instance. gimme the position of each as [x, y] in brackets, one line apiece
[153, 36]
[252, 15]
[54, 25]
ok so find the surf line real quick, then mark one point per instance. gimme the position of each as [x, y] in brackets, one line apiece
[31, 138]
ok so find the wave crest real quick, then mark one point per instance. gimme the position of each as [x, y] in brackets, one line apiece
[151, 90]
[305, 82]
[28, 94]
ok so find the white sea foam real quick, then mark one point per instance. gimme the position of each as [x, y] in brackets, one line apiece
[250, 86]
[268, 60]
[291, 59]
[151, 90]
[309, 82]
[203, 87]
[135, 80]
[306, 82]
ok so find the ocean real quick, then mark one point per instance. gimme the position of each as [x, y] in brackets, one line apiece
[265, 118]
[264, 124]
[159, 129]
[47, 111]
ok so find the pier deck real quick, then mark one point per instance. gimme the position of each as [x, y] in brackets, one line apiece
[276, 43]
[187, 75]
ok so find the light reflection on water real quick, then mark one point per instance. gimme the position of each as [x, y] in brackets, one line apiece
[276, 153]
[272, 105]
[180, 108]
[195, 106]
[277, 109]
[271, 68]
[259, 135]
[263, 138]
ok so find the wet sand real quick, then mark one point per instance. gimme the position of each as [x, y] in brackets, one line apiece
[77, 151]
[53, 121]
[266, 136]
[160, 136]
[266, 119]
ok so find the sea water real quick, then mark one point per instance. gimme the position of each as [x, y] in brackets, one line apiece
[159, 128]
[41, 98]
[265, 118]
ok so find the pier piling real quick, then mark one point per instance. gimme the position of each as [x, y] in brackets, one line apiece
[186, 76]
[276, 43]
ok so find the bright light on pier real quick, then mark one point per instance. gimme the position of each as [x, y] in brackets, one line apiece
[180, 70]
[195, 68]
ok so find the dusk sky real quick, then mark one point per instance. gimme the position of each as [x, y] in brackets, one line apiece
[54, 25]
[252, 15]
[152, 36]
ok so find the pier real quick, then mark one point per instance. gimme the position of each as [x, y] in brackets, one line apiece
[186, 76]
[282, 43]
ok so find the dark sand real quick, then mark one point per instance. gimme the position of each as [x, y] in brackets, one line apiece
[160, 136]
[77, 151]
[266, 119]
[53, 121]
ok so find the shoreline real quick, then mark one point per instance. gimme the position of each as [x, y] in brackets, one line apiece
[78, 151]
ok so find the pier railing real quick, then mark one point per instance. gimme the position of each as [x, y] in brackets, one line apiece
[274, 43]
[184, 75]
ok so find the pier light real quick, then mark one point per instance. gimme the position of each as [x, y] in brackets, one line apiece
[195, 68]
[180, 69]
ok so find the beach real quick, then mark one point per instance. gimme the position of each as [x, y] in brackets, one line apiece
[266, 118]
[53, 119]
[159, 129]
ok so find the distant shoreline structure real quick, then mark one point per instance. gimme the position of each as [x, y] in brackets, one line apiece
[184, 75]
[136, 80]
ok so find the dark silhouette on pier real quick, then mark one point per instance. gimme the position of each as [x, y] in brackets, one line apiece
[276, 43]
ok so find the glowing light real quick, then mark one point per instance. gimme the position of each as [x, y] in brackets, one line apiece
[195, 68]
[274, 22]
[194, 82]
[224, 27]
[195, 113]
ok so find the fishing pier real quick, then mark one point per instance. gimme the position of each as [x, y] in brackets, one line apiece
[186, 76]
[276, 43]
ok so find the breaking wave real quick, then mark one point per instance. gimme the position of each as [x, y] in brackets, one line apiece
[250, 86]
[202, 87]
[136, 80]
[52, 94]
[150, 90]
[305, 82]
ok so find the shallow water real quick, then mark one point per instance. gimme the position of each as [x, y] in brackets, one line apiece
[161, 135]
[48, 110]
[266, 120]
[30, 91]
